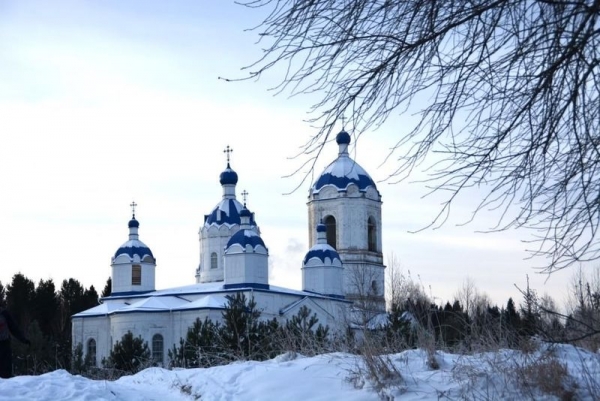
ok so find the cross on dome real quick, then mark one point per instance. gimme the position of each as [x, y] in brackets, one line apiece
[228, 151]
[245, 196]
[343, 118]
[133, 205]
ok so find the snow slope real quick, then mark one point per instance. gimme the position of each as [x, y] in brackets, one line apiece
[499, 375]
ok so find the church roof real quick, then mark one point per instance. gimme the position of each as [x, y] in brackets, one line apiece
[189, 297]
[226, 212]
[246, 237]
[134, 247]
[322, 252]
[344, 171]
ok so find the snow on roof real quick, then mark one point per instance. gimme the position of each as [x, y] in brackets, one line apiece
[342, 172]
[214, 301]
[246, 237]
[322, 251]
[155, 304]
[134, 247]
[102, 309]
[226, 212]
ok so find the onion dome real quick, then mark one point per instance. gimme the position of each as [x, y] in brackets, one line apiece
[228, 176]
[134, 246]
[343, 138]
[247, 235]
[322, 253]
[344, 171]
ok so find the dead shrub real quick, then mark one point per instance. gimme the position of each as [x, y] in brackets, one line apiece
[549, 376]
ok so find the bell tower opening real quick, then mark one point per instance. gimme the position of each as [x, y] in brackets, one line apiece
[330, 225]
[371, 234]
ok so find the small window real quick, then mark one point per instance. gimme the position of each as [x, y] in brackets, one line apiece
[372, 234]
[331, 231]
[157, 348]
[374, 287]
[136, 275]
[90, 355]
[214, 260]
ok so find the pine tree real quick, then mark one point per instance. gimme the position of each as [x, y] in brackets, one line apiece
[200, 347]
[239, 333]
[19, 297]
[107, 288]
[129, 355]
[46, 308]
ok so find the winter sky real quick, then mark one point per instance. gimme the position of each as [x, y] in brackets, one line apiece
[105, 102]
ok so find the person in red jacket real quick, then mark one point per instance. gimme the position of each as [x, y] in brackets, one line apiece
[8, 327]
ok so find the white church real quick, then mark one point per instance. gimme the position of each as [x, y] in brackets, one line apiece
[342, 271]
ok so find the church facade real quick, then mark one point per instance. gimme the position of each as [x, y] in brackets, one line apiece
[342, 270]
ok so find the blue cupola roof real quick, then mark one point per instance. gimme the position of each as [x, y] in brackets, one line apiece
[228, 176]
[344, 171]
[343, 138]
[134, 246]
[322, 250]
[246, 237]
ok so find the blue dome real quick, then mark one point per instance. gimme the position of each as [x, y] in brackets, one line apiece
[228, 176]
[227, 212]
[134, 247]
[321, 228]
[342, 137]
[322, 251]
[245, 213]
[133, 223]
[343, 172]
[246, 237]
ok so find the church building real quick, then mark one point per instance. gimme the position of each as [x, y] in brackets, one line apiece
[342, 271]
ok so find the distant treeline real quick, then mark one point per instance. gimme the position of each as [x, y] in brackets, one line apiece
[44, 313]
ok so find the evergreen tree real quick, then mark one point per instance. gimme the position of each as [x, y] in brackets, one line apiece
[107, 288]
[90, 298]
[511, 322]
[74, 298]
[200, 347]
[302, 330]
[46, 307]
[239, 333]
[130, 355]
[19, 297]
[530, 316]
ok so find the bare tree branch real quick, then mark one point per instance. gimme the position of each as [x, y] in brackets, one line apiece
[513, 109]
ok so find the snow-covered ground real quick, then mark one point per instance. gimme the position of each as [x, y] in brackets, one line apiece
[506, 374]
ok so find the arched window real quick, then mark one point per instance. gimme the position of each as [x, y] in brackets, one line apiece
[90, 355]
[157, 348]
[374, 288]
[372, 234]
[331, 231]
[214, 260]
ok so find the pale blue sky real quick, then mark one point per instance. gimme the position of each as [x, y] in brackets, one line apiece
[105, 102]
